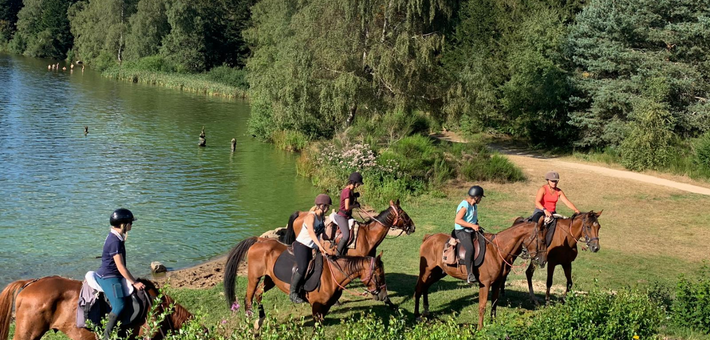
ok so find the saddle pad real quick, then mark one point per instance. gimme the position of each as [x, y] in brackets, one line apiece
[96, 307]
[286, 264]
[91, 276]
[482, 253]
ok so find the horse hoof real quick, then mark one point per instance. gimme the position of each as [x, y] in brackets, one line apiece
[249, 313]
[419, 319]
[258, 323]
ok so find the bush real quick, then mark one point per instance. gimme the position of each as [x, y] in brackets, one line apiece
[691, 307]
[702, 151]
[229, 76]
[155, 63]
[289, 140]
[599, 315]
[649, 144]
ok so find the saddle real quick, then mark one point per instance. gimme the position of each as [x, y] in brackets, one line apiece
[551, 225]
[455, 255]
[332, 232]
[93, 305]
[285, 266]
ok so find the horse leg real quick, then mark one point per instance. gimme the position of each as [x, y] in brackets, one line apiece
[436, 275]
[567, 267]
[550, 275]
[252, 286]
[319, 310]
[482, 300]
[28, 327]
[529, 274]
[494, 298]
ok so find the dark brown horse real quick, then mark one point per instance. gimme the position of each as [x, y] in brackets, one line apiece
[51, 303]
[370, 234]
[501, 250]
[337, 273]
[563, 247]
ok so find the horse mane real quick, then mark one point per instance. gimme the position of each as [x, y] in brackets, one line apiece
[179, 314]
[382, 217]
[352, 263]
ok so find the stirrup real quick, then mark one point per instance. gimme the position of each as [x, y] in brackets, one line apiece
[295, 298]
[471, 278]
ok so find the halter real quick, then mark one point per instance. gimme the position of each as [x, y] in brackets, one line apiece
[394, 222]
[586, 231]
[537, 240]
[378, 287]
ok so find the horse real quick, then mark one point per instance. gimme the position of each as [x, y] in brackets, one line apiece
[501, 250]
[370, 233]
[563, 247]
[261, 257]
[51, 302]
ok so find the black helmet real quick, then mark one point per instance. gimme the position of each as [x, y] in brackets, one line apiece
[476, 191]
[355, 177]
[121, 216]
[323, 199]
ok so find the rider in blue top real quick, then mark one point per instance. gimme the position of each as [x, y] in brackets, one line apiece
[113, 266]
[466, 223]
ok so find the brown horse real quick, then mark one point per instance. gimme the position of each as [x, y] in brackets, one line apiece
[337, 273]
[501, 250]
[370, 234]
[563, 247]
[51, 302]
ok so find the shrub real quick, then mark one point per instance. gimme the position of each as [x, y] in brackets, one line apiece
[155, 63]
[702, 151]
[598, 315]
[289, 140]
[691, 307]
[649, 144]
[229, 76]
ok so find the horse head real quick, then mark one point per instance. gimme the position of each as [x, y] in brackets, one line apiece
[401, 220]
[374, 280]
[534, 245]
[176, 315]
[590, 229]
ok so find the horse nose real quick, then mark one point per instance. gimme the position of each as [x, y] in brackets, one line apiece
[594, 248]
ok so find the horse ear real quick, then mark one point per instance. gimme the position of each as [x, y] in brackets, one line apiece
[397, 203]
[380, 256]
[391, 203]
[600, 213]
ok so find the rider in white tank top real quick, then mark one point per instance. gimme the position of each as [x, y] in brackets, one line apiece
[305, 238]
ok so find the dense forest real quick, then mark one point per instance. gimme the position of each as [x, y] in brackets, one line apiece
[629, 77]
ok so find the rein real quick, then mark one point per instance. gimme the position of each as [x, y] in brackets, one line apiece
[394, 222]
[494, 243]
[584, 230]
[347, 276]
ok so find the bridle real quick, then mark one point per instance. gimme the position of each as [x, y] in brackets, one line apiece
[394, 221]
[370, 276]
[586, 230]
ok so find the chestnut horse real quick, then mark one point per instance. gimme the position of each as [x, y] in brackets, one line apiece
[563, 247]
[51, 302]
[370, 233]
[501, 250]
[337, 273]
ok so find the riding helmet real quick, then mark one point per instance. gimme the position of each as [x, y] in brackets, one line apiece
[355, 177]
[552, 176]
[476, 191]
[121, 216]
[323, 199]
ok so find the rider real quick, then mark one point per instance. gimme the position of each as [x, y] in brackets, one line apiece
[113, 266]
[466, 223]
[308, 239]
[547, 196]
[348, 201]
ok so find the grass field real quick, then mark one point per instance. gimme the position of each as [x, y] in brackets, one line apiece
[650, 234]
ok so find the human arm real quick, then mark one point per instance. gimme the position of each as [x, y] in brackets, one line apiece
[309, 221]
[118, 258]
[459, 220]
[538, 201]
[567, 202]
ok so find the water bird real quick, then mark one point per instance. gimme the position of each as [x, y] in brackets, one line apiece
[234, 144]
[86, 130]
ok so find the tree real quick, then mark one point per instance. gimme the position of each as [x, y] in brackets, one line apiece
[317, 64]
[43, 29]
[100, 28]
[8, 19]
[632, 51]
[148, 26]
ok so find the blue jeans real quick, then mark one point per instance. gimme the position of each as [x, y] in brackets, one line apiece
[113, 289]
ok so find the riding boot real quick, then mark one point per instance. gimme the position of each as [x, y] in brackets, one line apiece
[295, 287]
[471, 275]
[342, 245]
[110, 324]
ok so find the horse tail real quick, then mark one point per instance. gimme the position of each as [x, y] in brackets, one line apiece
[290, 234]
[230, 269]
[7, 298]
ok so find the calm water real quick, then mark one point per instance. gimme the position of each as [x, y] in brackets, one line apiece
[59, 186]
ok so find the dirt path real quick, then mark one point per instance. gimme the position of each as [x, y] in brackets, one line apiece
[524, 158]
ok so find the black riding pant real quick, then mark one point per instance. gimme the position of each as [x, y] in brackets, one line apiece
[537, 214]
[303, 255]
[467, 243]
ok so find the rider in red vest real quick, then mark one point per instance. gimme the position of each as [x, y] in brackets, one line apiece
[547, 197]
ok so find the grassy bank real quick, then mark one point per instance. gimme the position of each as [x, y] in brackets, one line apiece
[220, 81]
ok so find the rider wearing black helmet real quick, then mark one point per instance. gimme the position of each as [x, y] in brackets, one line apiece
[466, 223]
[348, 201]
[308, 239]
[113, 266]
